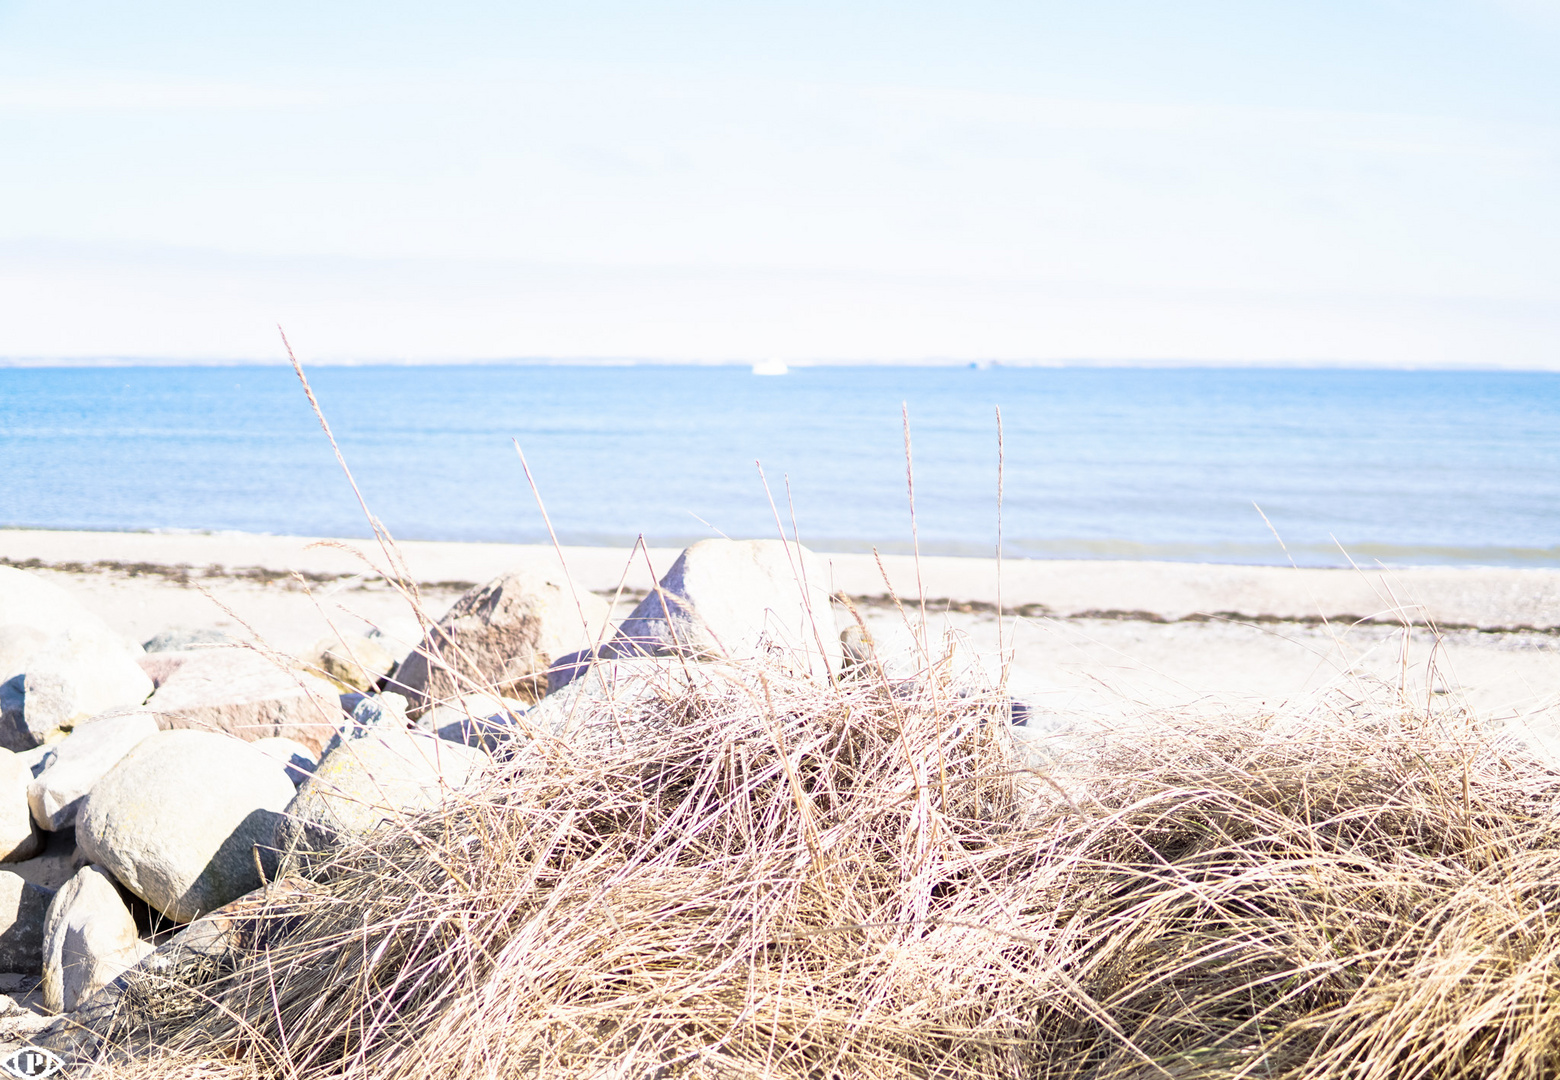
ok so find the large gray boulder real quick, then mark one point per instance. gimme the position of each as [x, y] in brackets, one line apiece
[734, 600]
[501, 638]
[78, 674]
[79, 661]
[28, 599]
[23, 908]
[247, 695]
[89, 940]
[178, 818]
[54, 933]
[384, 776]
[19, 643]
[80, 761]
[19, 836]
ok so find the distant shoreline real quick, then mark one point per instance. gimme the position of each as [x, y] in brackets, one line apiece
[1147, 363]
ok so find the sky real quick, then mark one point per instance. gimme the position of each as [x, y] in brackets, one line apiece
[1374, 182]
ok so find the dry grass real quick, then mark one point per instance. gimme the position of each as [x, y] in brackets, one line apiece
[753, 875]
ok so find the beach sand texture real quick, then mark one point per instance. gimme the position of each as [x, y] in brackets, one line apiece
[1086, 642]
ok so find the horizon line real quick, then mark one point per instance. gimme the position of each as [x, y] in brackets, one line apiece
[1319, 363]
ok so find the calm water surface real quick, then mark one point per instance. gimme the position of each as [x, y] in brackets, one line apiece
[1408, 467]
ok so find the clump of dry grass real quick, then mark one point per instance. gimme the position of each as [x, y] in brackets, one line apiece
[1345, 896]
[755, 875]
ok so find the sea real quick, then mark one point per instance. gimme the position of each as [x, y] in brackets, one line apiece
[1232, 465]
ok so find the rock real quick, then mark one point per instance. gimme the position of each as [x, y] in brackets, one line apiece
[160, 666]
[222, 937]
[89, 940]
[38, 757]
[620, 703]
[487, 732]
[39, 621]
[292, 756]
[54, 931]
[180, 639]
[733, 600]
[55, 865]
[242, 693]
[357, 663]
[19, 643]
[92, 957]
[474, 720]
[462, 706]
[500, 637]
[370, 713]
[856, 645]
[383, 776]
[23, 907]
[31, 601]
[19, 836]
[77, 675]
[214, 941]
[178, 818]
[22, 1021]
[617, 688]
[386, 710]
[80, 761]
[13, 720]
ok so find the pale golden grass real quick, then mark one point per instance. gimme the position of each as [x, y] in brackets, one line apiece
[750, 875]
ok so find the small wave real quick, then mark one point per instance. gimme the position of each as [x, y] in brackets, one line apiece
[1320, 556]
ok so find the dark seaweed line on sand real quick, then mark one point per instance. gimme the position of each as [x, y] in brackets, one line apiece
[184, 574]
[1041, 611]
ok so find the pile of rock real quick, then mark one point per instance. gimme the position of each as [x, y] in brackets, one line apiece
[143, 787]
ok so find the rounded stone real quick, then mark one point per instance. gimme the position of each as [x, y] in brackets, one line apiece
[385, 776]
[179, 818]
[23, 909]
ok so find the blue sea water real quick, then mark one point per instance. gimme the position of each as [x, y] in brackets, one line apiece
[1409, 467]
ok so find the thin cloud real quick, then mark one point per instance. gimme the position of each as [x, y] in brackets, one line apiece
[134, 94]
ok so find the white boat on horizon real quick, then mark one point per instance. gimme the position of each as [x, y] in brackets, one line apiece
[771, 367]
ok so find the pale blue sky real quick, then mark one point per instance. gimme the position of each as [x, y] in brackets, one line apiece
[1375, 182]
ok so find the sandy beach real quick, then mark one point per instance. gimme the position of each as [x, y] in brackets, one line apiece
[1101, 640]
